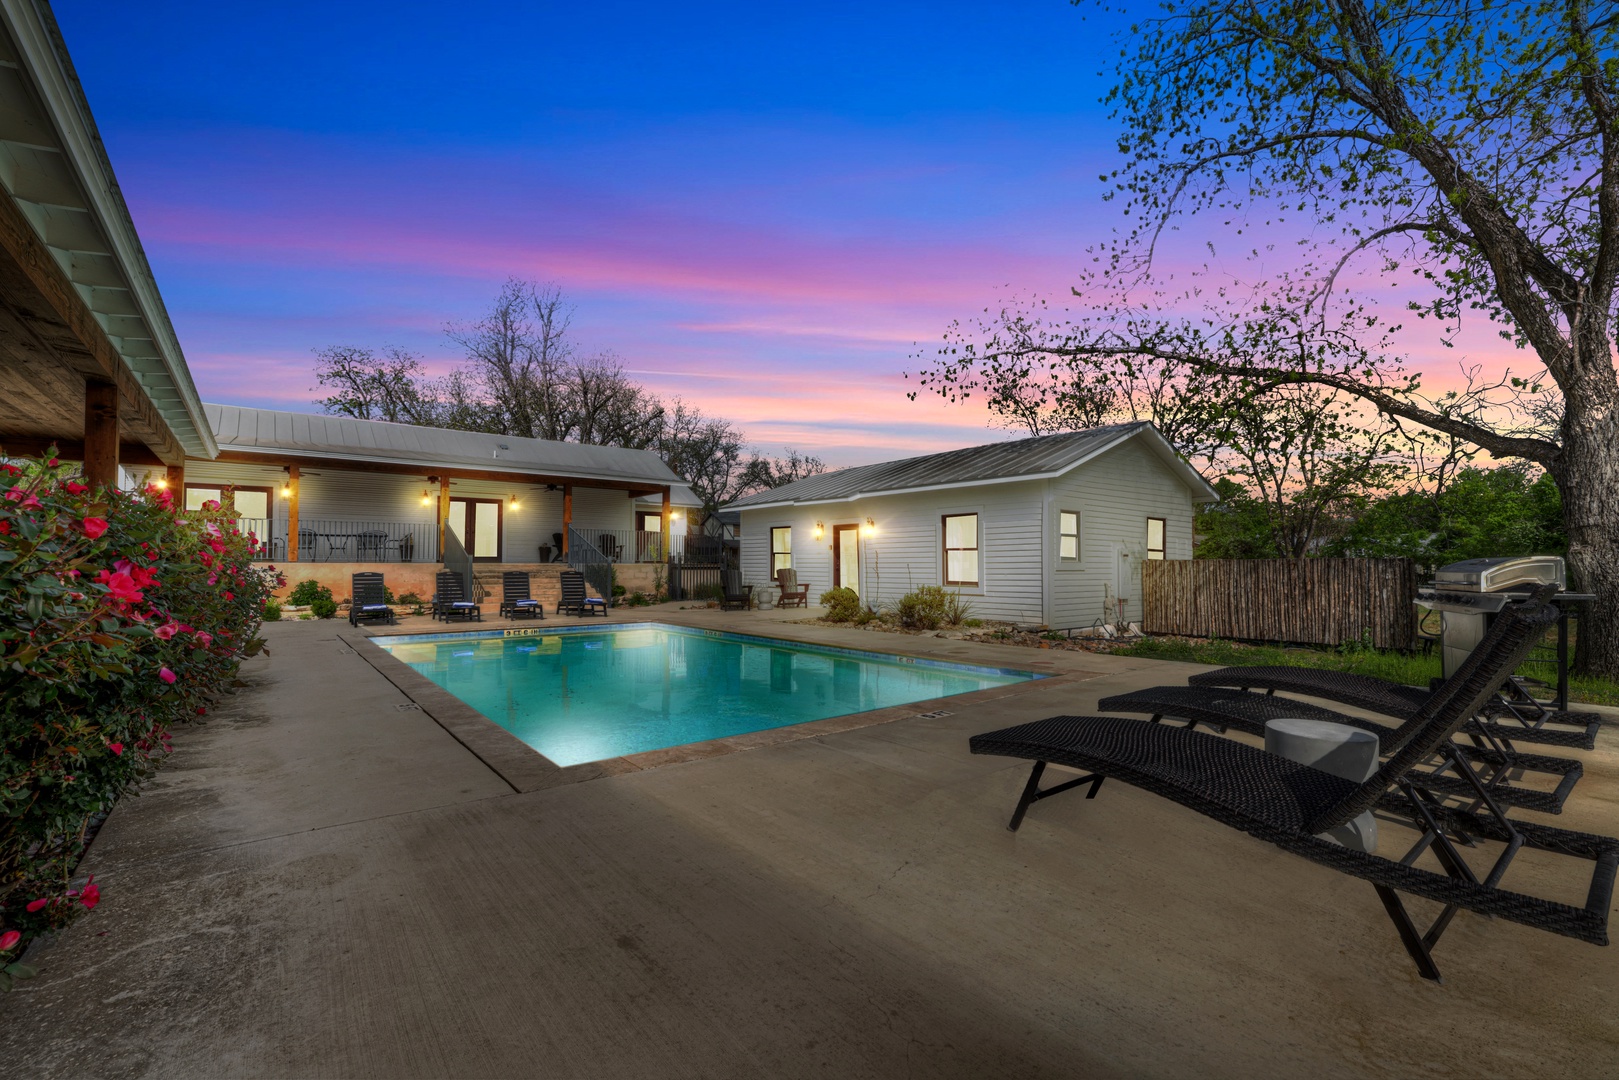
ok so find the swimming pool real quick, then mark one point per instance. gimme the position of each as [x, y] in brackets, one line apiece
[579, 695]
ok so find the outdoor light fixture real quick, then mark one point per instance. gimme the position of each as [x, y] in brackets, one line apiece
[871, 527]
[286, 491]
[674, 515]
[161, 483]
[819, 530]
[514, 501]
[427, 500]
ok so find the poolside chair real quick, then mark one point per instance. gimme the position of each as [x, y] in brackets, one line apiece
[1291, 805]
[734, 596]
[515, 601]
[450, 602]
[367, 600]
[575, 599]
[792, 593]
[1222, 708]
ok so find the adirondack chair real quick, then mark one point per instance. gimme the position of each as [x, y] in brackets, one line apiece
[735, 596]
[792, 593]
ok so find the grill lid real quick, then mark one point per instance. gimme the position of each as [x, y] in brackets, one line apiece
[1499, 575]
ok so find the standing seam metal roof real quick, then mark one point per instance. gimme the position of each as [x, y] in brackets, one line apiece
[1043, 455]
[311, 435]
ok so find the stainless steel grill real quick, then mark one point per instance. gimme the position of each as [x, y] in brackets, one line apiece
[1468, 593]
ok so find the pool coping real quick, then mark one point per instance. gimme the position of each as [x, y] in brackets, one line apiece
[524, 768]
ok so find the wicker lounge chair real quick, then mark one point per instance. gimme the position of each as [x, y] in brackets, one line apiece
[1290, 805]
[451, 600]
[735, 596]
[575, 599]
[515, 602]
[792, 593]
[367, 600]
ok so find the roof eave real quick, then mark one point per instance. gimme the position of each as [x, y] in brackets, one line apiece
[427, 466]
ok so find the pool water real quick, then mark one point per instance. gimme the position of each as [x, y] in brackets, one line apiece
[584, 695]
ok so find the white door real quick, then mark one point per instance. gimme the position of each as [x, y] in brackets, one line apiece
[846, 556]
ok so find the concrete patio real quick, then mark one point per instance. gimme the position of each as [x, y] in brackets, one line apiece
[331, 879]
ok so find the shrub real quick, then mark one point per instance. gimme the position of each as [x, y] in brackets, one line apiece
[707, 592]
[929, 607]
[306, 592]
[117, 619]
[323, 607]
[972, 623]
[410, 598]
[272, 611]
[842, 605]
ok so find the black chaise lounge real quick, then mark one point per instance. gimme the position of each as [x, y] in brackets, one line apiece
[515, 602]
[368, 600]
[734, 596]
[575, 599]
[1222, 708]
[451, 601]
[1289, 805]
[1505, 717]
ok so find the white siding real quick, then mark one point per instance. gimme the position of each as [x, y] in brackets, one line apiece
[1114, 495]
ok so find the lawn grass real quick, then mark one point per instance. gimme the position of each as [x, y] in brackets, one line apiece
[1413, 669]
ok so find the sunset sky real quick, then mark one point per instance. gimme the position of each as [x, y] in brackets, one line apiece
[765, 209]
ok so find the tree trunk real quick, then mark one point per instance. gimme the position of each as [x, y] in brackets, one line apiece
[1589, 479]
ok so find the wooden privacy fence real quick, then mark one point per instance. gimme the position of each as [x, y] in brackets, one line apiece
[1300, 601]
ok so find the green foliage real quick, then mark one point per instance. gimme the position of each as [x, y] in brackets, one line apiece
[323, 607]
[842, 605]
[118, 619]
[929, 607]
[306, 592]
[1236, 527]
[410, 598]
[272, 611]
[618, 590]
[708, 592]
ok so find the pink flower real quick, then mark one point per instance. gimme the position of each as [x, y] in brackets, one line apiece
[229, 595]
[94, 527]
[35, 905]
[52, 463]
[117, 748]
[76, 488]
[91, 895]
[121, 585]
[166, 675]
[211, 504]
[204, 638]
[167, 631]
[8, 940]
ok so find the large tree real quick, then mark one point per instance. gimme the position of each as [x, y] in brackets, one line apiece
[1467, 151]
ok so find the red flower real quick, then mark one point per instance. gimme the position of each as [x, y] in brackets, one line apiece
[229, 595]
[52, 463]
[166, 675]
[117, 748]
[92, 894]
[35, 905]
[8, 940]
[121, 586]
[204, 638]
[76, 488]
[94, 527]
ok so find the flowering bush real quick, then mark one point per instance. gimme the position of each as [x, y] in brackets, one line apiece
[118, 618]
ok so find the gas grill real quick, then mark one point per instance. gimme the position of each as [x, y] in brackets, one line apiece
[1468, 593]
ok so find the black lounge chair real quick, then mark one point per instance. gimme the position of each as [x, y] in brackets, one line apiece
[1290, 805]
[734, 596]
[575, 599]
[368, 600]
[451, 600]
[515, 602]
[1516, 717]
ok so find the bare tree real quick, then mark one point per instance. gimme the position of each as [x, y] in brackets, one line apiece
[369, 386]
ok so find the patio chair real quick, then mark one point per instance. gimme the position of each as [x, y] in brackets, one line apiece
[609, 546]
[450, 602]
[734, 596]
[515, 601]
[575, 599]
[370, 545]
[792, 593]
[367, 600]
[556, 539]
[1291, 805]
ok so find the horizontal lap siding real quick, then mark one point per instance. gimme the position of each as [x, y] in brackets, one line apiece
[1115, 495]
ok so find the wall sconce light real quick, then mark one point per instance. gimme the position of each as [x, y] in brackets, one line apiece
[286, 491]
[674, 515]
[427, 500]
[871, 527]
[161, 482]
[820, 530]
[514, 501]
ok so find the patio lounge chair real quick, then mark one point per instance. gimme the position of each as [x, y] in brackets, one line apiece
[450, 602]
[575, 599]
[515, 601]
[1290, 805]
[734, 596]
[792, 593]
[367, 601]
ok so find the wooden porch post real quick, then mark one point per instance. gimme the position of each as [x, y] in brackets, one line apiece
[664, 525]
[292, 513]
[100, 434]
[176, 478]
[567, 517]
[443, 512]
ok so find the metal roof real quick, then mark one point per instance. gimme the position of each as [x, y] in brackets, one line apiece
[1041, 457]
[296, 434]
[55, 167]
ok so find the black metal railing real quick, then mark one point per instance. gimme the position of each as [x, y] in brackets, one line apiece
[591, 561]
[330, 540]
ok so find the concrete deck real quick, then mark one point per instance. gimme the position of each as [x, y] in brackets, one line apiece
[323, 883]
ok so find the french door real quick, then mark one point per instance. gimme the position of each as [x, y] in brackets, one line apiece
[476, 523]
[846, 557]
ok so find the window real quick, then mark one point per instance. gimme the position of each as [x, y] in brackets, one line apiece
[251, 503]
[648, 521]
[1068, 535]
[961, 549]
[1155, 538]
[781, 549]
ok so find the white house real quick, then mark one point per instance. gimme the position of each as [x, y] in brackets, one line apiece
[1047, 530]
